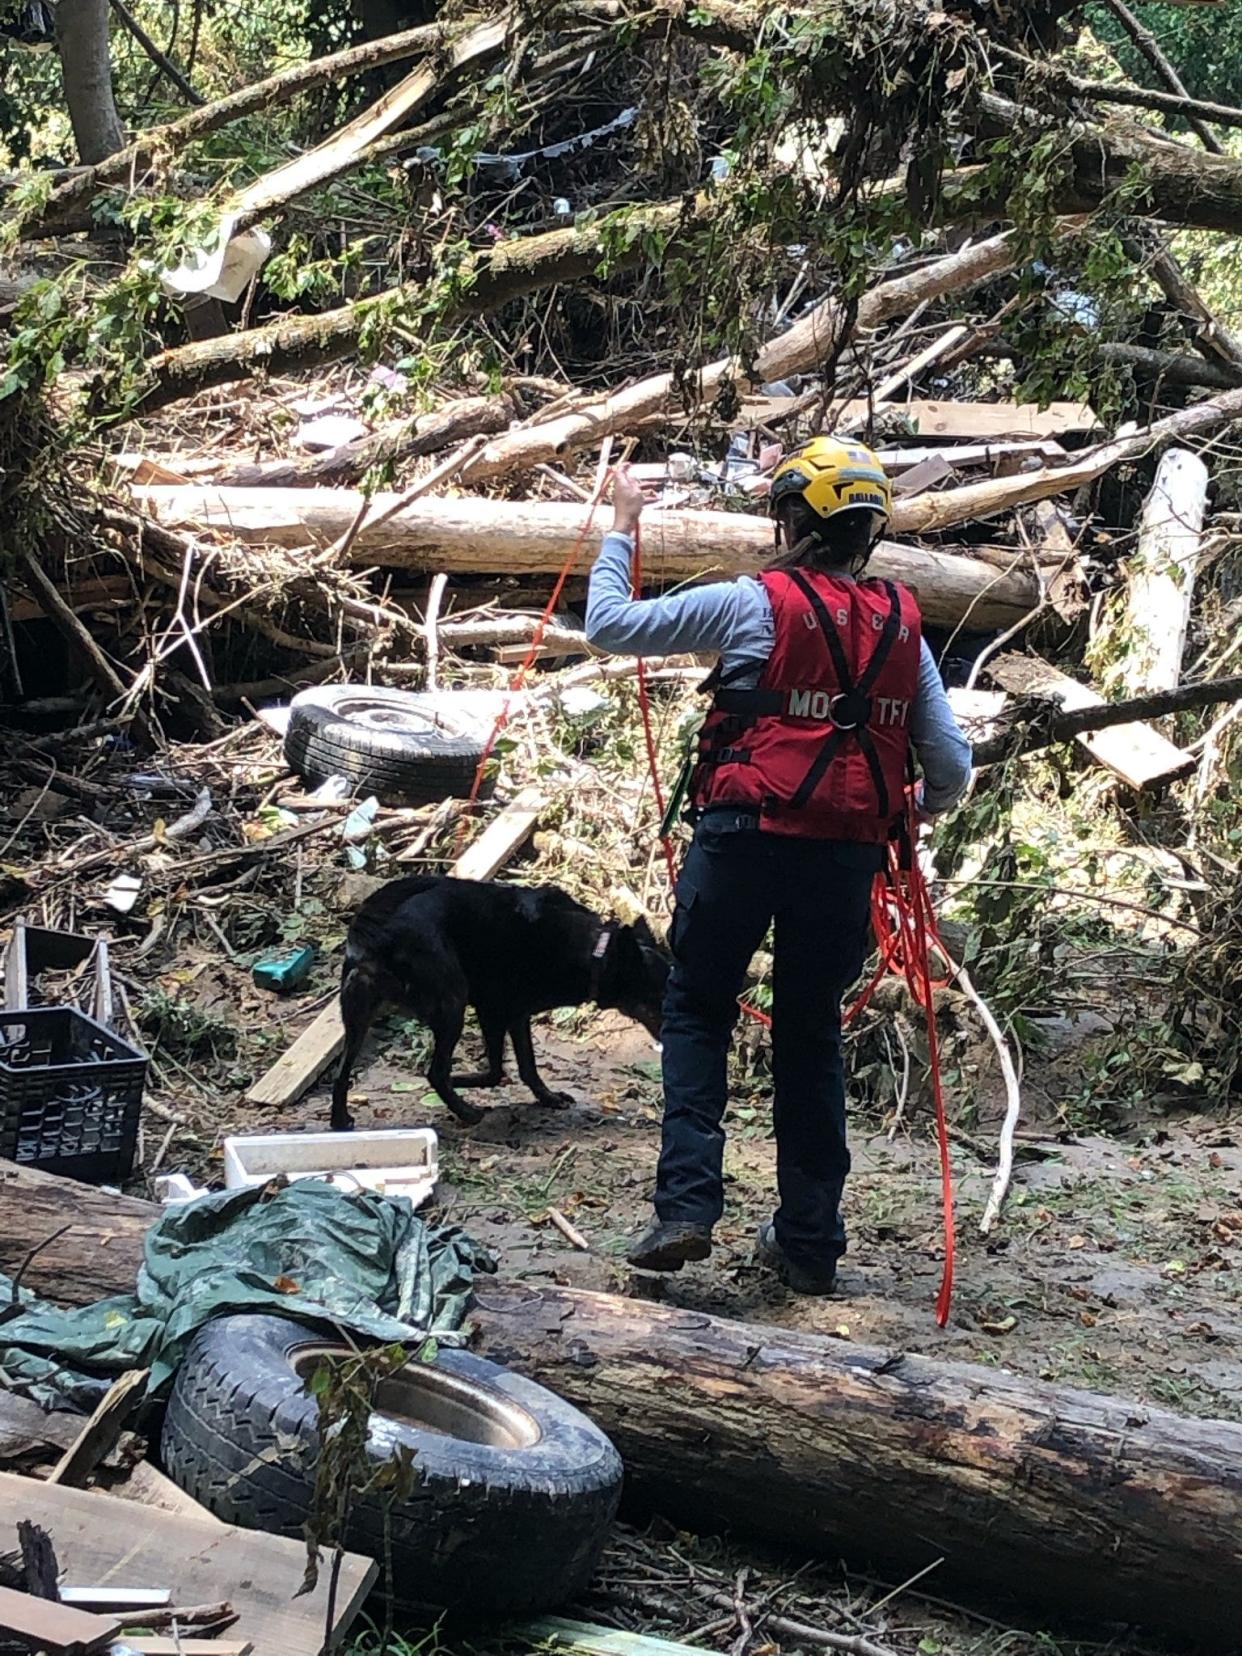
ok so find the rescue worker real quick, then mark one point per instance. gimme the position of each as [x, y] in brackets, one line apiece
[823, 686]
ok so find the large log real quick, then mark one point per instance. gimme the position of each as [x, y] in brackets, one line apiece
[479, 536]
[1088, 1506]
[70, 1242]
[1162, 573]
[1081, 1505]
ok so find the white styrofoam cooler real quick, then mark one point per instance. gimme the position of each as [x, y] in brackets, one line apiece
[402, 1161]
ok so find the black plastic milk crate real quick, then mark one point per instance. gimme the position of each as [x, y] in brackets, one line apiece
[70, 1094]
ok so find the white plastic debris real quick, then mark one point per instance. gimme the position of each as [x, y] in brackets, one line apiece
[330, 431]
[123, 893]
[222, 271]
[335, 791]
[175, 1188]
[583, 705]
[391, 1161]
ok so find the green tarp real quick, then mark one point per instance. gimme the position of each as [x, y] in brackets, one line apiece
[309, 1250]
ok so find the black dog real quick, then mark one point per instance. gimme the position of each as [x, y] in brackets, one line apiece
[437, 945]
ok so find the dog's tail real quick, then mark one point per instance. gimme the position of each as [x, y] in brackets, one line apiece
[361, 994]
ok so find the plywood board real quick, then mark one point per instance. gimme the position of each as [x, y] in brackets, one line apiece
[1137, 753]
[54, 1628]
[103, 1540]
[977, 420]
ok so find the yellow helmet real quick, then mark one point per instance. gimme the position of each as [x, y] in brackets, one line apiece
[833, 476]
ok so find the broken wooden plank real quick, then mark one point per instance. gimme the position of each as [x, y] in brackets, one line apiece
[304, 1062]
[1139, 755]
[158, 1644]
[977, 420]
[502, 837]
[55, 1628]
[260, 1574]
[932, 469]
[961, 456]
[321, 1043]
[99, 1437]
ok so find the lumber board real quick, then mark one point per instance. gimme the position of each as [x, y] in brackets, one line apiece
[977, 420]
[502, 837]
[321, 1042]
[301, 1065]
[147, 1484]
[961, 456]
[159, 1644]
[1136, 753]
[58, 1629]
[100, 1538]
[102, 1431]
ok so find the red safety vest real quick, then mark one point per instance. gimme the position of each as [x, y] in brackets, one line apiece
[821, 746]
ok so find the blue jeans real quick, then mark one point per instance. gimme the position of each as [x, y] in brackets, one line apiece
[738, 880]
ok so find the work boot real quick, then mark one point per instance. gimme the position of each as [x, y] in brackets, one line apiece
[800, 1279]
[668, 1245]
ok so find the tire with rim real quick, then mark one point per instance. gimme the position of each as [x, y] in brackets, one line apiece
[406, 749]
[515, 1489]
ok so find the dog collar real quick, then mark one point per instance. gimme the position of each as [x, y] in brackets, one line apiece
[597, 957]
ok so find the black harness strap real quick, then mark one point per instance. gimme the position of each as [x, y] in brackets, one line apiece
[850, 692]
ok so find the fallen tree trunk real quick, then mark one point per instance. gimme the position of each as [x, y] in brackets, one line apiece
[800, 349]
[68, 1241]
[392, 444]
[343, 150]
[1162, 573]
[487, 280]
[479, 536]
[1115, 1510]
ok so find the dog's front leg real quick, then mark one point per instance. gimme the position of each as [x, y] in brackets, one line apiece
[524, 1051]
[446, 1029]
[493, 1029]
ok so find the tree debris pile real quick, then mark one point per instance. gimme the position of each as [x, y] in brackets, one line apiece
[312, 376]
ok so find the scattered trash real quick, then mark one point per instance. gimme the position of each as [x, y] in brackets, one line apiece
[330, 431]
[123, 893]
[223, 270]
[286, 972]
[391, 1161]
[360, 822]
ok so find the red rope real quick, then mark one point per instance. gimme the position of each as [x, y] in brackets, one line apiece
[904, 923]
[644, 704]
[519, 677]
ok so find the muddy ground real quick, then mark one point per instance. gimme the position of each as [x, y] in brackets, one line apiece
[1114, 1265]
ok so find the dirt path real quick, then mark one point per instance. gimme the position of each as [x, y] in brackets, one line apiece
[1114, 1266]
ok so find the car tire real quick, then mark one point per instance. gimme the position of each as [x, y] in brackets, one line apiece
[406, 749]
[515, 1489]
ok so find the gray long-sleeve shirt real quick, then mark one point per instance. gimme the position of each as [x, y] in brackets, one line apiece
[733, 619]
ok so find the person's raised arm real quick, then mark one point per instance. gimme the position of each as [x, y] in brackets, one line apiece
[703, 620]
